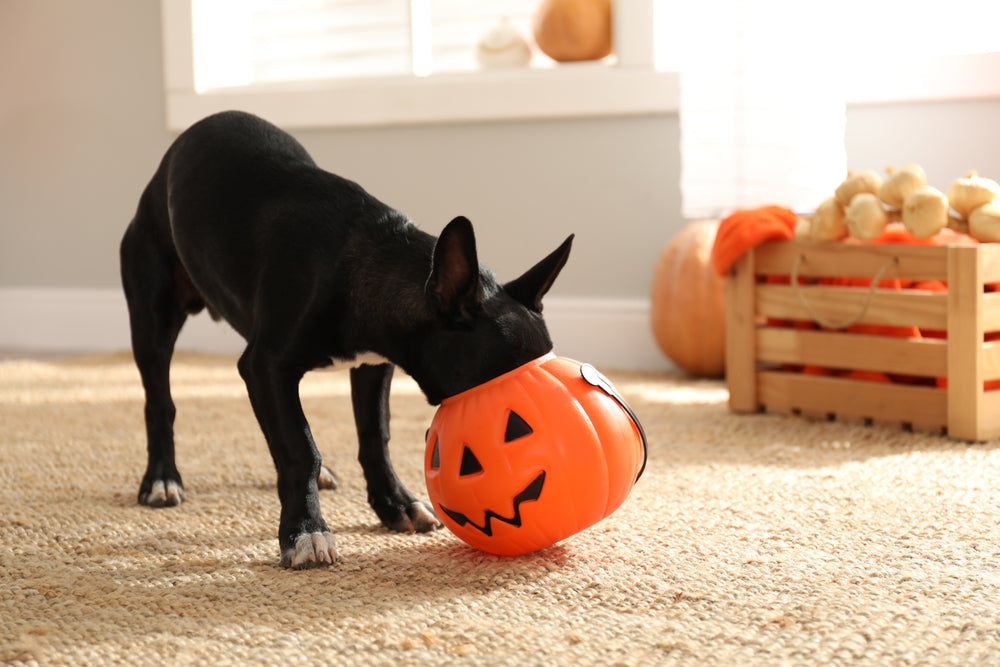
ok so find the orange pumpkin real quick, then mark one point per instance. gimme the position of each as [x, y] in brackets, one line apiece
[533, 456]
[572, 30]
[688, 302]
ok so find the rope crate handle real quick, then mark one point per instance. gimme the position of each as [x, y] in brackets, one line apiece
[829, 324]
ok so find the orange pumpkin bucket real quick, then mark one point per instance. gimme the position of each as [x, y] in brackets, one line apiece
[533, 456]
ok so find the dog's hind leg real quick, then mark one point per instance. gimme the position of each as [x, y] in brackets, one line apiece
[158, 304]
[394, 504]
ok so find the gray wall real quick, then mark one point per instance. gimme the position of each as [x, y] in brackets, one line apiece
[81, 125]
[82, 129]
[947, 138]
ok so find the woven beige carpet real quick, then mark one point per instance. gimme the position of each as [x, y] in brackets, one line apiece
[750, 540]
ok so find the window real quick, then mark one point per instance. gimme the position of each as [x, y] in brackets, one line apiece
[266, 41]
[371, 62]
[761, 85]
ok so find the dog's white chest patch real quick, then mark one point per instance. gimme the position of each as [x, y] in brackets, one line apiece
[362, 358]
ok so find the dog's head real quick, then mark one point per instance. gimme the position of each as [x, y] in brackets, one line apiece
[479, 329]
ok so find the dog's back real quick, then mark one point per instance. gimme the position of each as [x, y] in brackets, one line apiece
[250, 194]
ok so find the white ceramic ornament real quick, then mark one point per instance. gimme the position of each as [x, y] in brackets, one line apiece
[503, 46]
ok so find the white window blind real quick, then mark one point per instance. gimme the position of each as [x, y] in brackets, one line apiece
[304, 40]
[762, 113]
[246, 42]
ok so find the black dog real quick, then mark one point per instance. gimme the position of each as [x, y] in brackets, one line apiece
[311, 270]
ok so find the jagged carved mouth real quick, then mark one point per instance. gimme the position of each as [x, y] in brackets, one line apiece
[531, 492]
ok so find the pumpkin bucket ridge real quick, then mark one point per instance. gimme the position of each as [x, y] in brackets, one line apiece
[462, 395]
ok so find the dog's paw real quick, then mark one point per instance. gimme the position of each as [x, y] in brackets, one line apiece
[311, 550]
[418, 517]
[326, 479]
[162, 494]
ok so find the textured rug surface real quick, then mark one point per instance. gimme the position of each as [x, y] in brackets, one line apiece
[749, 540]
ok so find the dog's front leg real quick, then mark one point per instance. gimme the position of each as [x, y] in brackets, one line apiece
[303, 536]
[394, 504]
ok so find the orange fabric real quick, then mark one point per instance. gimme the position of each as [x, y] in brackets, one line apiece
[898, 234]
[747, 228]
[868, 376]
[938, 286]
[988, 385]
[884, 330]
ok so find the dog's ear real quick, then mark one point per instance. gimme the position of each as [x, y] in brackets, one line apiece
[454, 282]
[536, 281]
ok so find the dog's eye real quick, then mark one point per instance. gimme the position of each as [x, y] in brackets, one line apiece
[470, 464]
[516, 427]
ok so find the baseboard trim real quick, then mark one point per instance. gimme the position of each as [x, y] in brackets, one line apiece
[609, 333]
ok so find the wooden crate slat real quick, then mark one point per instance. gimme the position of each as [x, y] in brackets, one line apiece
[967, 312]
[740, 321]
[965, 348]
[991, 311]
[887, 307]
[844, 260]
[991, 262]
[990, 426]
[990, 361]
[854, 351]
[851, 398]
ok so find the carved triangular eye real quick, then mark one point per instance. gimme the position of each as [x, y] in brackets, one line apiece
[516, 427]
[470, 464]
[436, 455]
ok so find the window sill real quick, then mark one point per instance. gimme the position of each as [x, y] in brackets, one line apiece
[570, 90]
[566, 91]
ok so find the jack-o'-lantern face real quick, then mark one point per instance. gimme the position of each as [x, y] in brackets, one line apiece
[531, 457]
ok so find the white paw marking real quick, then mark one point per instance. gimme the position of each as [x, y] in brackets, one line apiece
[165, 494]
[423, 519]
[312, 550]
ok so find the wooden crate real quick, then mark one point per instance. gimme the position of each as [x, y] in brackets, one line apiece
[765, 360]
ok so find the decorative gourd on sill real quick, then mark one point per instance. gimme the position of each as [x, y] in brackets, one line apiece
[503, 46]
[533, 456]
[688, 302]
[573, 30]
